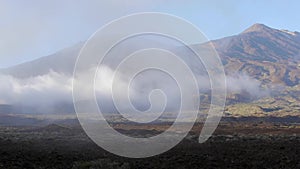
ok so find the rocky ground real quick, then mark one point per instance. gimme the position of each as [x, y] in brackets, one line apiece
[234, 145]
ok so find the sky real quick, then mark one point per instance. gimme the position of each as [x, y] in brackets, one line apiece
[31, 29]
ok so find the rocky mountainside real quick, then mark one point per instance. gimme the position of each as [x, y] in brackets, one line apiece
[267, 54]
[271, 56]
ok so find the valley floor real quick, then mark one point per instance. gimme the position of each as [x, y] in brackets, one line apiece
[234, 145]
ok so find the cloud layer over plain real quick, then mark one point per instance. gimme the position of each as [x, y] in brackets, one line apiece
[55, 88]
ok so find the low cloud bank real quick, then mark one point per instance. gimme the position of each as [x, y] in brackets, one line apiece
[55, 88]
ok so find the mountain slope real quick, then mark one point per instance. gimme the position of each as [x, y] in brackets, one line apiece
[261, 43]
[269, 55]
[62, 62]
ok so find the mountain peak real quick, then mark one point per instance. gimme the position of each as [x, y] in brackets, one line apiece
[258, 28]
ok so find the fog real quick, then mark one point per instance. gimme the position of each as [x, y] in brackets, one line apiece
[47, 90]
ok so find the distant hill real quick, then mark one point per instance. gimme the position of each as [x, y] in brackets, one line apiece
[269, 55]
[62, 62]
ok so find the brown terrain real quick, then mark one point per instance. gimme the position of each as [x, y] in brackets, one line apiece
[233, 145]
[257, 131]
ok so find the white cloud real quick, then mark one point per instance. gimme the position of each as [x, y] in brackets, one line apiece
[47, 89]
[53, 88]
[242, 82]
